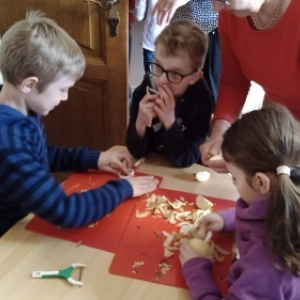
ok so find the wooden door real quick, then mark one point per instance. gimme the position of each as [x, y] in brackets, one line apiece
[96, 113]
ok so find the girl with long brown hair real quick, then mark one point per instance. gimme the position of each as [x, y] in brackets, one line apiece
[262, 153]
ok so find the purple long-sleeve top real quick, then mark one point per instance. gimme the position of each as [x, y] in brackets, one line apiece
[253, 276]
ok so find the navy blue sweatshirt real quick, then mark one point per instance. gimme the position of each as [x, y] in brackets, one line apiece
[193, 112]
[26, 183]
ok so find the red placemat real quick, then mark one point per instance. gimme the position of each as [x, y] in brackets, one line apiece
[104, 234]
[140, 244]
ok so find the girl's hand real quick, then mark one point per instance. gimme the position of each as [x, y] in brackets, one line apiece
[212, 147]
[186, 252]
[211, 222]
[143, 184]
[146, 113]
[165, 107]
[116, 162]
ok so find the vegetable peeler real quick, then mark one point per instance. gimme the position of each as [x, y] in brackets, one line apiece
[65, 273]
[134, 168]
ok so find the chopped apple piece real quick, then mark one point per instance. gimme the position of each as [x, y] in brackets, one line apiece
[202, 176]
[203, 203]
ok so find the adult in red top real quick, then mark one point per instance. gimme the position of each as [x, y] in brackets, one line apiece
[260, 42]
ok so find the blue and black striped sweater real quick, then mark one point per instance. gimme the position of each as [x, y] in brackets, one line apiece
[26, 183]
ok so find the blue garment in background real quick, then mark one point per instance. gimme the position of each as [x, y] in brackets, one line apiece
[148, 55]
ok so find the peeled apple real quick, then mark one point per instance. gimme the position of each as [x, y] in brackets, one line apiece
[200, 246]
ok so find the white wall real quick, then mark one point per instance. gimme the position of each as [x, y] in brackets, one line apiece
[136, 71]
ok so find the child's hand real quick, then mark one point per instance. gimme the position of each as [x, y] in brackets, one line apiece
[165, 107]
[115, 162]
[143, 184]
[146, 111]
[212, 222]
[186, 252]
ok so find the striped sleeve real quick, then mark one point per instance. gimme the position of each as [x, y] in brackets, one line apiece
[27, 187]
[63, 159]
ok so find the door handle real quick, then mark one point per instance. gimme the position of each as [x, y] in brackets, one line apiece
[113, 15]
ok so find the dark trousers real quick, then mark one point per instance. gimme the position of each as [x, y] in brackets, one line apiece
[212, 65]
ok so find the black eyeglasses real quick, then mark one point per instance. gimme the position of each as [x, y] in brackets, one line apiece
[172, 76]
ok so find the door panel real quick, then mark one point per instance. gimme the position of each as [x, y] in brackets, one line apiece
[96, 113]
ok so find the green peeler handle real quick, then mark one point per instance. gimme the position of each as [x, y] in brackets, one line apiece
[65, 273]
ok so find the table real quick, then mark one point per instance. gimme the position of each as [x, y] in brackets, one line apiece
[23, 252]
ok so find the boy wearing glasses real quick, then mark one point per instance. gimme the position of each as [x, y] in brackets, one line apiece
[176, 120]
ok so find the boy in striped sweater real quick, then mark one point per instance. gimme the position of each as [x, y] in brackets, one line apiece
[39, 62]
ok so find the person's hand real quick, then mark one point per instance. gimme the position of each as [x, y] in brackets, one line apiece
[217, 6]
[165, 107]
[146, 113]
[211, 222]
[186, 252]
[143, 184]
[212, 147]
[165, 9]
[116, 162]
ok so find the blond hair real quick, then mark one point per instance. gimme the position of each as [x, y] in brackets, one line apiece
[37, 46]
[184, 36]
